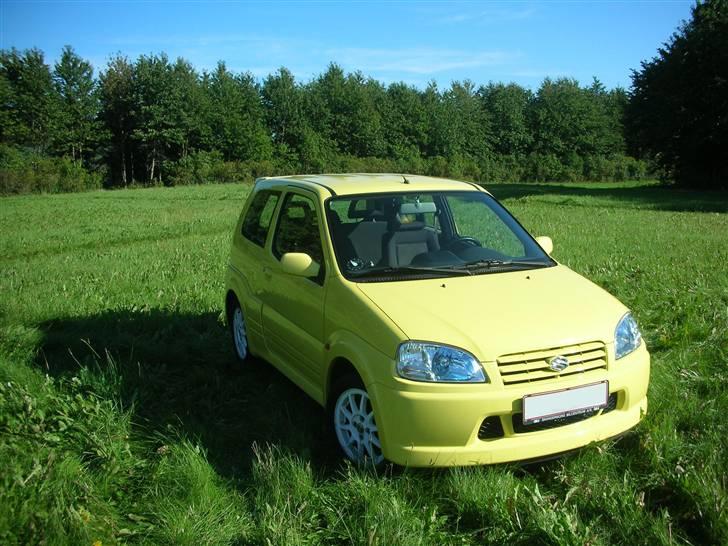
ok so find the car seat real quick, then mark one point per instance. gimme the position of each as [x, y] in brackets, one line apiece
[407, 240]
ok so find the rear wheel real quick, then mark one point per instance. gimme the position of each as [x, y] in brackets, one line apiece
[239, 332]
[354, 423]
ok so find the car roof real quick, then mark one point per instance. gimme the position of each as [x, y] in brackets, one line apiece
[363, 183]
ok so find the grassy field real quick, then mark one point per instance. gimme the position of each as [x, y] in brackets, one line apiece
[123, 420]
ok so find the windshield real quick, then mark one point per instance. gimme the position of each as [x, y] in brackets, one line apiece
[404, 235]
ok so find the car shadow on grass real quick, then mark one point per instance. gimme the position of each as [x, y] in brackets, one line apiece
[654, 196]
[177, 372]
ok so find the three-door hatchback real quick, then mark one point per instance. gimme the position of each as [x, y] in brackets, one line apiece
[428, 322]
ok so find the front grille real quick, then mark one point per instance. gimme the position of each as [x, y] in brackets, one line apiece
[520, 428]
[533, 366]
[491, 428]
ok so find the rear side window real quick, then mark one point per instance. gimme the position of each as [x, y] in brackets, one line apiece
[257, 219]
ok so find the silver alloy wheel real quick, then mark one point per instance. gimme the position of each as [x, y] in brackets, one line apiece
[239, 334]
[355, 427]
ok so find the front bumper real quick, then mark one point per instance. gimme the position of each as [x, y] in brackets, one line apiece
[438, 425]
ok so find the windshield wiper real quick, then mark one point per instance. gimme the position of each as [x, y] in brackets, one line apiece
[380, 271]
[503, 263]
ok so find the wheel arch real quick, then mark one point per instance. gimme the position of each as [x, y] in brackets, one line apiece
[338, 368]
[231, 298]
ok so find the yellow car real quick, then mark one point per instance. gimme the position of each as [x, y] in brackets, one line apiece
[428, 322]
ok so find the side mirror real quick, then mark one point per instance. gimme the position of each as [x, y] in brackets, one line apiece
[299, 264]
[546, 243]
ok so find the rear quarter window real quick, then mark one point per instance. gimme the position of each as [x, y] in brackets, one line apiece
[258, 218]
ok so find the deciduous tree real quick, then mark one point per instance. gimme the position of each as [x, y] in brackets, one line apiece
[78, 107]
[678, 106]
[237, 119]
[508, 109]
[116, 90]
[29, 102]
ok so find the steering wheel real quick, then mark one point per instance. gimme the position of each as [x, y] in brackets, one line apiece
[465, 242]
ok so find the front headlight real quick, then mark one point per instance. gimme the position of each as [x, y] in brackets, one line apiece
[420, 361]
[627, 336]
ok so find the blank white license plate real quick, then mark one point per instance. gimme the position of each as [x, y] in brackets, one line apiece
[564, 403]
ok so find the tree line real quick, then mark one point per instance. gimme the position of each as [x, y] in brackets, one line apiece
[154, 121]
[158, 121]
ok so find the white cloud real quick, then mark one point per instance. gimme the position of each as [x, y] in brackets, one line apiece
[307, 57]
[184, 40]
[416, 60]
[490, 15]
[539, 73]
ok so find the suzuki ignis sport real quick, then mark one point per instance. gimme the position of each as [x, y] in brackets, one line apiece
[428, 322]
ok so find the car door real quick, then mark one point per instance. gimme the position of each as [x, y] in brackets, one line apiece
[293, 306]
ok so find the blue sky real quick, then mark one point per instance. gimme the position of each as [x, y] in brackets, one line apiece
[406, 41]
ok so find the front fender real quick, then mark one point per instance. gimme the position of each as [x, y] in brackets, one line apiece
[371, 364]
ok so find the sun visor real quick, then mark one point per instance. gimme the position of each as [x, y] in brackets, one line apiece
[417, 208]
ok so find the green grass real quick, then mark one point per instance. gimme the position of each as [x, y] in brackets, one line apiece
[122, 419]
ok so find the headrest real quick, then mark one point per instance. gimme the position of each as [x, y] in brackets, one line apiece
[397, 225]
[369, 212]
[409, 211]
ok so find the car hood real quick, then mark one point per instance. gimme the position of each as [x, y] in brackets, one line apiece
[500, 313]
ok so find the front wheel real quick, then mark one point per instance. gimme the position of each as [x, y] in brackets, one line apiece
[355, 426]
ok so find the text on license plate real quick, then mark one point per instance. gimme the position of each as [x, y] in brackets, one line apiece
[564, 403]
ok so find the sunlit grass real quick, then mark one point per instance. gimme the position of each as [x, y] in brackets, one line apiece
[123, 420]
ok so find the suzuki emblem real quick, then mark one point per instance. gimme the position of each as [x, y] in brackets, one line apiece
[558, 363]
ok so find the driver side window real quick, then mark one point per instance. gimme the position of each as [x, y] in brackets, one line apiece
[298, 229]
[484, 225]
